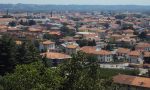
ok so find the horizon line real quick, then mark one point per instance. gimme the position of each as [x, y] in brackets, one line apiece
[81, 4]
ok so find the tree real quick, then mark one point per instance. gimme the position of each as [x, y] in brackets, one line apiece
[127, 26]
[66, 31]
[92, 43]
[84, 42]
[142, 35]
[109, 47]
[33, 76]
[106, 25]
[54, 38]
[27, 53]
[82, 73]
[7, 54]
[31, 22]
[121, 16]
[13, 24]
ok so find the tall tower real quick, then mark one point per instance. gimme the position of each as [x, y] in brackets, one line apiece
[7, 12]
[27, 13]
[51, 13]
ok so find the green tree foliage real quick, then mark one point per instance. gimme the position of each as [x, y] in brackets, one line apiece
[27, 53]
[54, 38]
[31, 22]
[21, 22]
[7, 54]
[109, 47]
[81, 73]
[66, 31]
[84, 42]
[33, 76]
[13, 24]
[12, 54]
[142, 35]
[121, 16]
[109, 73]
[127, 26]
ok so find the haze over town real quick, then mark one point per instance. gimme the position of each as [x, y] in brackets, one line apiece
[74, 44]
[79, 2]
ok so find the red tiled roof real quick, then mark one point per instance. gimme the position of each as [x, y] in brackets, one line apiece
[71, 46]
[143, 45]
[134, 53]
[132, 80]
[123, 50]
[55, 55]
[92, 50]
[146, 54]
[48, 42]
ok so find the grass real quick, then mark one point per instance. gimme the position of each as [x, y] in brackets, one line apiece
[109, 73]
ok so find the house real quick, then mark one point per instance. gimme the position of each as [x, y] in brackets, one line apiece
[55, 58]
[115, 37]
[126, 42]
[102, 55]
[148, 36]
[102, 34]
[18, 42]
[68, 39]
[143, 47]
[13, 30]
[127, 82]
[37, 32]
[5, 21]
[128, 31]
[70, 47]
[93, 36]
[122, 53]
[135, 57]
[47, 45]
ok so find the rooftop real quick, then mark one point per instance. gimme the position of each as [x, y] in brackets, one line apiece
[56, 55]
[132, 80]
[94, 50]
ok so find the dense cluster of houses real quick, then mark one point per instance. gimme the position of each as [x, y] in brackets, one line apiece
[124, 40]
[105, 30]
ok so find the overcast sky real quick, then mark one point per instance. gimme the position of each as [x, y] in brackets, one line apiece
[83, 2]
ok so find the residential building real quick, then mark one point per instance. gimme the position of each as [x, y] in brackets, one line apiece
[47, 45]
[55, 58]
[143, 46]
[135, 57]
[122, 53]
[127, 82]
[102, 55]
[70, 47]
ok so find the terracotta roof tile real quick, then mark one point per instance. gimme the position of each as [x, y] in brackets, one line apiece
[123, 50]
[132, 80]
[71, 46]
[92, 50]
[55, 55]
[48, 42]
[142, 45]
[146, 54]
[134, 53]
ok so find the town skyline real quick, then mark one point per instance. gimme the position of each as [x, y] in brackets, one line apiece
[80, 2]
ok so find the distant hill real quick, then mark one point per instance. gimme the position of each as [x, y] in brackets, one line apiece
[34, 7]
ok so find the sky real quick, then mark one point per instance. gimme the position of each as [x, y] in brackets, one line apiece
[80, 2]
